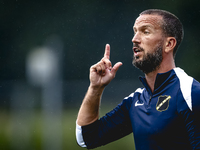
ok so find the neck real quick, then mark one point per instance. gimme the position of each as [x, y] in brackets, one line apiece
[164, 67]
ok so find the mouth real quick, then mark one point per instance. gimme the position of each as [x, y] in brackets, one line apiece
[136, 50]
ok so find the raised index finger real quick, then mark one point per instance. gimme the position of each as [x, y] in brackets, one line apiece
[107, 51]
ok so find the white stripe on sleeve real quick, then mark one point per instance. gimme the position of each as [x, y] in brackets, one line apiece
[79, 136]
[185, 85]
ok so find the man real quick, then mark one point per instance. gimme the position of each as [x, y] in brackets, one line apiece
[165, 113]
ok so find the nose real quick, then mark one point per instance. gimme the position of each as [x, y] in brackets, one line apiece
[136, 38]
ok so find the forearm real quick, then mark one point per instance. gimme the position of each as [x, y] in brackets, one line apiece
[101, 75]
[89, 110]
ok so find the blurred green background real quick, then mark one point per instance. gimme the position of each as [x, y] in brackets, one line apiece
[46, 50]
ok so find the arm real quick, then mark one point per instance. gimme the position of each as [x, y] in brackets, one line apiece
[113, 126]
[101, 75]
[191, 120]
[191, 117]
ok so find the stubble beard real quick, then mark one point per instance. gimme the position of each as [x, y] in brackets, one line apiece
[150, 61]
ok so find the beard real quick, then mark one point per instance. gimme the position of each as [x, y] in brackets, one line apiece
[150, 61]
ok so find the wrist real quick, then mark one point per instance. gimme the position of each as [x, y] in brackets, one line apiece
[96, 89]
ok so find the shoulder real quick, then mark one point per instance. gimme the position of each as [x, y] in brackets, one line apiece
[129, 99]
[138, 91]
[185, 80]
[185, 83]
[195, 95]
[189, 88]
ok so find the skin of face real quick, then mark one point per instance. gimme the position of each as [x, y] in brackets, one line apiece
[148, 34]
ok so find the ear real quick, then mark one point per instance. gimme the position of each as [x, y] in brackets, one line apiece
[170, 44]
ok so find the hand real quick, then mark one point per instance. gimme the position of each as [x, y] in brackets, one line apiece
[102, 73]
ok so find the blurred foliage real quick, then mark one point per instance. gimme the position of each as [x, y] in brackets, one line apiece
[85, 27]
[15, 138]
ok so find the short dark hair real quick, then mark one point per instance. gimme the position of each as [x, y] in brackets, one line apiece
[172, 26]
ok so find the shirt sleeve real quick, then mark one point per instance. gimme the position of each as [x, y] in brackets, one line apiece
[192, 127]
[114, 125]
[191, 117]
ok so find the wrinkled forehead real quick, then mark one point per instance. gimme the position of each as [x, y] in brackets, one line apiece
[153, 20]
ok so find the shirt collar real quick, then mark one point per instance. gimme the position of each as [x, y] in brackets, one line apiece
[162, 80]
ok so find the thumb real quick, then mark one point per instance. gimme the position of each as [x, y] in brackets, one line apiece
[116, 67]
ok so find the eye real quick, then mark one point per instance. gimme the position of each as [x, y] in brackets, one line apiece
[134, 32]
[146, 32]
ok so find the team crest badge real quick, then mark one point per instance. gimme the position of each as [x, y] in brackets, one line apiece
[163, 103]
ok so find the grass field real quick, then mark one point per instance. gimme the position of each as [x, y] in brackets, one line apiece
[25, 133]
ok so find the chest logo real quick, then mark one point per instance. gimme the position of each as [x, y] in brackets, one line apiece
[138, 104]
[163, 103]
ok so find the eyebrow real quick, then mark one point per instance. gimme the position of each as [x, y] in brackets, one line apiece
[143, 26]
